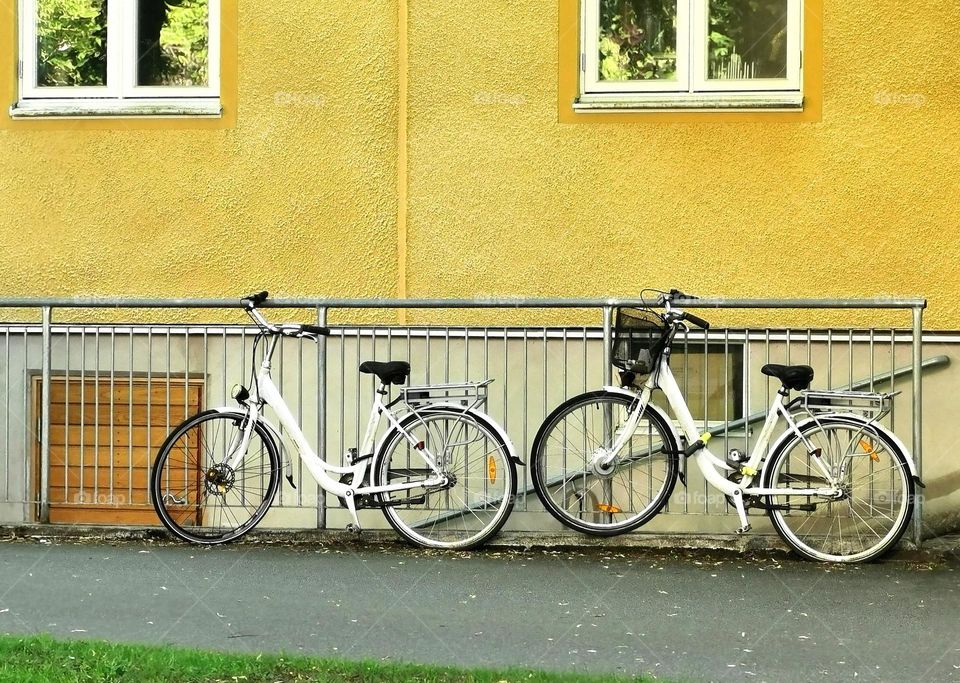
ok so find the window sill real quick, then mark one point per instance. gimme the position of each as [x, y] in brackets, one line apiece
[772, 102]
[103, 109]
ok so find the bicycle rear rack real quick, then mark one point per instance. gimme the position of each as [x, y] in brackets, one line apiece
[869, 404]
[467, 394]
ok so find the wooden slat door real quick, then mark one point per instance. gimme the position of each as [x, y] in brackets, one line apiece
[103, 438]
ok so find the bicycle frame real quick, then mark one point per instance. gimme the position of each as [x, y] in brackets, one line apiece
[267, 393]
[710, 465]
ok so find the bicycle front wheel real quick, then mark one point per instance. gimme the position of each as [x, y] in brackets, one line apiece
[876, 500]
[198, 495]
[483, 480]
[595, 498]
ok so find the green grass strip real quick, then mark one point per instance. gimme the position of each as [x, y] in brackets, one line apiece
[44, 660]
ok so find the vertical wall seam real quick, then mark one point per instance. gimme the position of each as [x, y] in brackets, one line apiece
[402, 157]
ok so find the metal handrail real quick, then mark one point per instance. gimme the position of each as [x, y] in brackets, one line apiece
[499, 302]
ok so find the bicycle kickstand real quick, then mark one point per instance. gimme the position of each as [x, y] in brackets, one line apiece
[741, 512]
[354, 526]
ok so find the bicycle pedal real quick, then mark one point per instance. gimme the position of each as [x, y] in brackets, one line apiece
[744, 529]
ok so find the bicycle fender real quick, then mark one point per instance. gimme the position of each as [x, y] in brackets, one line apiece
[285, 460]
[511, 449]
[855, 420]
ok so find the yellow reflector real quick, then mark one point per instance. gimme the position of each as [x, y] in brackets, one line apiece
[869, 451]
[491, 469]
[603, 507]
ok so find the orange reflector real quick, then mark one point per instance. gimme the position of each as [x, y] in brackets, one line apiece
[869, 451]
[491, 469]
[603, 507]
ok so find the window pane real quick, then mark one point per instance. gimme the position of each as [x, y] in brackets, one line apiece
[638, 40]
[71, 43]
[748, 39]
[713, 380]
[172, 42]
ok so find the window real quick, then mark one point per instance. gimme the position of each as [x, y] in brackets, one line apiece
[712, 379]
[700, 54]
[101, 57]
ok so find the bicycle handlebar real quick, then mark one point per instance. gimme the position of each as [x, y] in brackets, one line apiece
[675, 294]
[290, 330]
[696, 320]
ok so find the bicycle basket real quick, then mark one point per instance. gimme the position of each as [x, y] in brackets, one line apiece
[638, 339]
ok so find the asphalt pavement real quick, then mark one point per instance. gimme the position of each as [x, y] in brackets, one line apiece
[691, 616]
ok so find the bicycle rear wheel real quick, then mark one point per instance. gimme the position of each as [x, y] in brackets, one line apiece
[588, 497]
[198, 496]
[470, 451]
[877, 500]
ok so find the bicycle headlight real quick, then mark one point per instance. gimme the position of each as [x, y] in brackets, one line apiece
[239, 393]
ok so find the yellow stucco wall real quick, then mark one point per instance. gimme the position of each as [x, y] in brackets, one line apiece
[300, 194]
[504, 199]
[296, 195]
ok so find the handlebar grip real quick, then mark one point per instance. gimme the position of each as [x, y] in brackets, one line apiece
[677, 294]
[316, 329]
[696, 320]
[254, 300]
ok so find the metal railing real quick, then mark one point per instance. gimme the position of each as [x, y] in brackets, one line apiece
[535, 368]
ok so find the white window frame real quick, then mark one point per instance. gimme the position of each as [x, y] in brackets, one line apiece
[121, 94]
[591, 58]
[691, 89]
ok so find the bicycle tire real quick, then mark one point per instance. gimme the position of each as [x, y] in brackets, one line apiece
[485, 480]
[840, 438]
[206, 492]
[626, 507]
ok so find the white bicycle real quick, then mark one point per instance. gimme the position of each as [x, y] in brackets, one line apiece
[836, 484]
[443, 473]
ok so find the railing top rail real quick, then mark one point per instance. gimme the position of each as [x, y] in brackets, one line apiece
[503, 302]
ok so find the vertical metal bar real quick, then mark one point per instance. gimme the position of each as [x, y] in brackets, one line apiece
[6, 414]
[356, 410]
[149, 385]
[850, 357]
[446, 353]
[29, 427]
[343, 407]
[706, 407]
[506, 378]
[66, 417]
[607, 346]
[96, 414]
[45, 419]
[129, 419]
[321, 412]
[608, 409]
[526, 381]
[830, 358]
[113, 365]
[299, 420]
[918, 419]
[83, 403]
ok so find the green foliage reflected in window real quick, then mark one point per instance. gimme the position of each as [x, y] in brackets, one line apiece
[71, 43]
[173, 43]
[748, 39]
[638, 40]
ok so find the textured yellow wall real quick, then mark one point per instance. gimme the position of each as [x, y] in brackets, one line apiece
[297, 197]
[300, 195]
[507, 200]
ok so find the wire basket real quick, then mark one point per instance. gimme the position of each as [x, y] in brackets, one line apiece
[639, 335]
